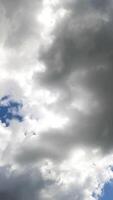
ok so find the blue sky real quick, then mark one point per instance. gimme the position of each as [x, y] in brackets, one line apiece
[10, 110]
[107, 192]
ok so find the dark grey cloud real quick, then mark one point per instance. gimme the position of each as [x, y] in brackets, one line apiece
[19, 185]
[80, 61]
[31, 184]
[82, 6]
[103, 5]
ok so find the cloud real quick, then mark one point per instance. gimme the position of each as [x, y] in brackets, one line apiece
[20, 30]
[20, 185]
[56, 58]
[79, 67]
[21, 19]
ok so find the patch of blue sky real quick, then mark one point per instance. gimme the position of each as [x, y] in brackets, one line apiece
[107, 192]
[10, 109]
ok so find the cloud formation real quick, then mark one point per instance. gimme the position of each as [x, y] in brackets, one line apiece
[20, 185]
[79, 67]
[56, 58]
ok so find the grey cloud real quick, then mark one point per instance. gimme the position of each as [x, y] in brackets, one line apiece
[16, 185]
[103, 5]
[80, 58]
[73, 193]
[21, 19]
[86, 131]
[89, 48]
[13, 6]
[87, 5]
[30, 184]
[35, 152]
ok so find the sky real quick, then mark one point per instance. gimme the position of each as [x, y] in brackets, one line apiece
[56, 99]
[107, 191]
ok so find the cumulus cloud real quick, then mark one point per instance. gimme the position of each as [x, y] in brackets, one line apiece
[79, 65]
[56, 59]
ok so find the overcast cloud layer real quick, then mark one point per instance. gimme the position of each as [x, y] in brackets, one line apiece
[56, 61]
